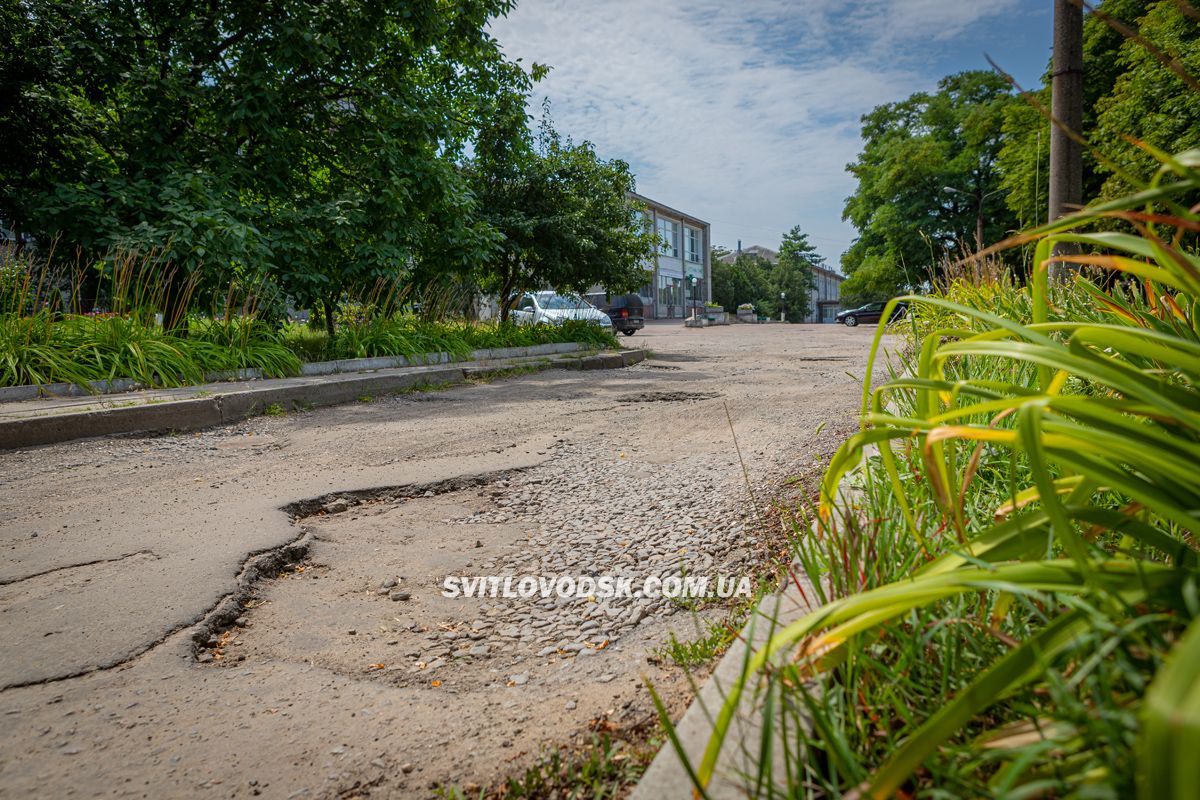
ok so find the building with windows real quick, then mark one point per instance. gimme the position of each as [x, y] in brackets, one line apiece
[825, 301]
[682, 277]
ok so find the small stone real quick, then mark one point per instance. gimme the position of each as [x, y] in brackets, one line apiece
[204, 658]
[378, 762]
[520, 679]
[335, 506]
[241, 622]
[572, 705]
[605, 678]
[478, 543]
[399, 594]
[352, 631]
[406, 768]
[389, 583]
[479, 650]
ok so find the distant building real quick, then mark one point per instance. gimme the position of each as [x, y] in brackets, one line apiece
[682, 272]
[826, 298]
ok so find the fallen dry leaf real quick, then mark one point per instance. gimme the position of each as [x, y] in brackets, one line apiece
[376, 666]
[435, 684]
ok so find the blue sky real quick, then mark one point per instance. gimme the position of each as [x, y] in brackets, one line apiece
[745, 114]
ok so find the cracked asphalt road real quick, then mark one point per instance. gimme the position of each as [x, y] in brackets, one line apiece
[117, 548]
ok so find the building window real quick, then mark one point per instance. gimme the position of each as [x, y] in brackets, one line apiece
[668, 234]
[691, 245]
[670, 291]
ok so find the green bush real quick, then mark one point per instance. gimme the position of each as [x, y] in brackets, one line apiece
[1009, 598]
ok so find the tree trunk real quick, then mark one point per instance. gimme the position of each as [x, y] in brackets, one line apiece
[327, 308]
[506, 291]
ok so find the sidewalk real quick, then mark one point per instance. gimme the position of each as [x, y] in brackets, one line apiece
[45, 420]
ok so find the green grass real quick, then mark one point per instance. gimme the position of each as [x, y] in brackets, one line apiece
[602, 770]
[713, 641]
[46, 346]
[1009, 591]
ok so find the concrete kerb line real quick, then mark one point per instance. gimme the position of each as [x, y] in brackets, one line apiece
[122, 385]
[198, 412]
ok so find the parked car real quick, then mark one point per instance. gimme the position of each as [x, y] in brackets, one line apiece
[625, 310]
[871, 312]
[554, 308]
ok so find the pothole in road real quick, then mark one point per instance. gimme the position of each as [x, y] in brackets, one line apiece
[564, 662]
[666, 397]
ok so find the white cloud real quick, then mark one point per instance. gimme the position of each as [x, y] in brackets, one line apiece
[744, 114]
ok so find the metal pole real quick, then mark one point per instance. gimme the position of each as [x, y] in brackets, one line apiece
[1066, 156]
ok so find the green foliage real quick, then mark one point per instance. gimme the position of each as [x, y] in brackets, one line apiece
[1008, 595]
[793, 274]
[699, 652]
[906, 219]
[747, 279]
[1128, 91]
[1149, 102]
[604, 770]
[311, 144]
[562, 214]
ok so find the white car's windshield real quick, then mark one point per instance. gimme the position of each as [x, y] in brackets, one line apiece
[558, 302]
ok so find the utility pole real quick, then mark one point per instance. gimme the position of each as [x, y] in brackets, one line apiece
[1066, 105]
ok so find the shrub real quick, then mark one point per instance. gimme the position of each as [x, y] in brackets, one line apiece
[1009, 596]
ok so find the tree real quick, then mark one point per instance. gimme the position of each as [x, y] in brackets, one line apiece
[793, 273]
[562, 214]
[1024, 157]
[1149, 102]
[907, 218]
[313, 144]
[747, 279]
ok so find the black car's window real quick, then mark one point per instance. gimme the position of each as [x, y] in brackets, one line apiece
[874, 307]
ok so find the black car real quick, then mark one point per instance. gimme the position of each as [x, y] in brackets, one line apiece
[871, 312]
[625, 310]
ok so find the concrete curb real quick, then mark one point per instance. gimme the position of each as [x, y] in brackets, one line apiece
[224, 407]
[33, 392]
[667, 778]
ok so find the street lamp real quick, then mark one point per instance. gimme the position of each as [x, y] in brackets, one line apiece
[783, 306]
[978, 211]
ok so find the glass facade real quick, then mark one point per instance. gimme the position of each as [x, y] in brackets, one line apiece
[691, 245]
[670, 291]
[668, 233]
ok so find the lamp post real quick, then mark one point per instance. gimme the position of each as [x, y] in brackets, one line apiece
[783, 306]
[978, 211]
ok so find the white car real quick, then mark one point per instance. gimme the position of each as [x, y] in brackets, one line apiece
[554, 308]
